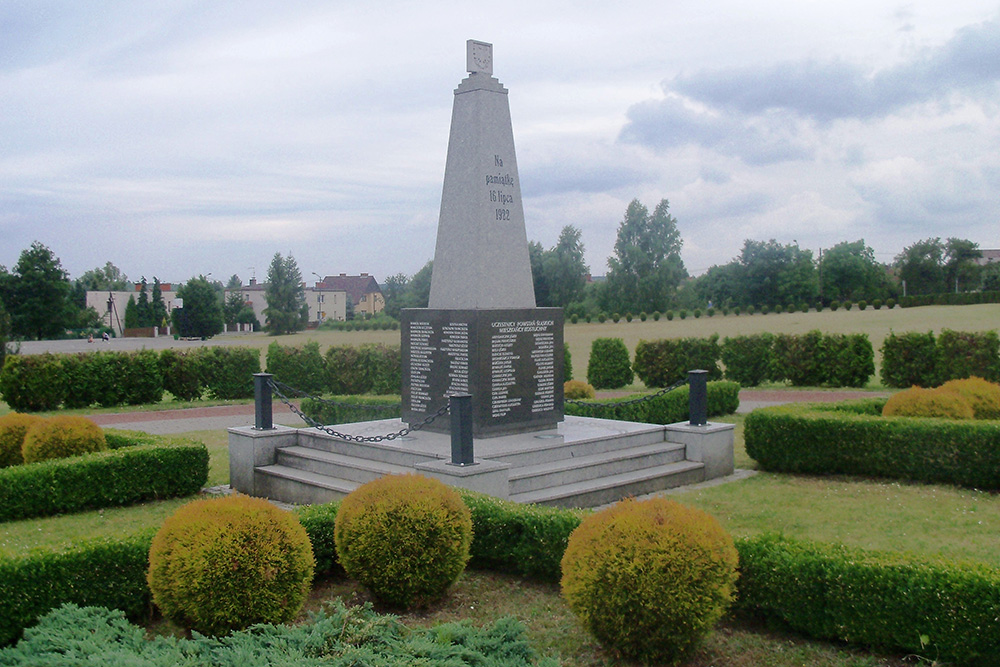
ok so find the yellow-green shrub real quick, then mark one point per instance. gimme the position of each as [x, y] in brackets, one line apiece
[983, 396]
[13, 428]
[405, 538]
[61, 437]
[649, 578]
[577, 389]
[224, 564]
[919, 402]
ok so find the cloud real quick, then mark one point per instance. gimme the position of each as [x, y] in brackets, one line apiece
[826, 91]
[671, 123]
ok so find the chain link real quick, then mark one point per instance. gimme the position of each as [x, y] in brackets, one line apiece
[591, 406]
[347, 436]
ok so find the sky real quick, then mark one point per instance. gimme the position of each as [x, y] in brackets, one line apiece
[178, 138]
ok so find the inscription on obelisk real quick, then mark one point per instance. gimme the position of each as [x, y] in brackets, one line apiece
[482, 333]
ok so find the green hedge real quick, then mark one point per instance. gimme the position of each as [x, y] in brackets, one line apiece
[660, 363]
[301, 367]
[920, 359]
[120, 476]
[935, 609]
[349, 409]
[749, 359]
[109, 573]
[949, 299]
[365, 369]
[723, 399]
[880, 599]
[817, 359]
[42, 382]
[853, 439]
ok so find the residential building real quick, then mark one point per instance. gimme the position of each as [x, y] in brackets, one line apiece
[325, 303]
[991, 256]
[363, 291]
[110, 304]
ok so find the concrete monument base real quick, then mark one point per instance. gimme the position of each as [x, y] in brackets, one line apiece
[582, 462]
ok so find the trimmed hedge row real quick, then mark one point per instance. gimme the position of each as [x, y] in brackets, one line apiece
[809, 359]
[137, 467]
[934, 609]
[660, 363]
[32, 383]
[108, 573]
[852, 438]
[669, 408]
[949, 299]
[881, 599]
[344, 369]
[918, 359]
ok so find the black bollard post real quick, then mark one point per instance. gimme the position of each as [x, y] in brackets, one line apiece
[262, 401]
[460, 406]
[698, 397]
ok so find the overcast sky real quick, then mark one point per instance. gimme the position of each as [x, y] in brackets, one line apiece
[176, 138]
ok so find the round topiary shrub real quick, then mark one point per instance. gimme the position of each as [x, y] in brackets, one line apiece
[602, 318]
[847, 305]
[628, 317]
[890, 303]
[615, 317]
[405, 538]
[649, 578]
[697, 313]
[656, 316]
[670, 315]
[981, 395]
[683, 314]
[577, 390]
[919, 402]
[862, 304]
[224, 564]
[13, 427]
[751, 309]
[834, 305]
[642, 316]
[609, 366]
[877, 304]
[61, 437]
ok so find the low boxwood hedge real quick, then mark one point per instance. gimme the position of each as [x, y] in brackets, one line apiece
[136, 467]
[349, 409]
[852, 438]
[895, 601]
[935, 609]
[109, 573]
[669, 408]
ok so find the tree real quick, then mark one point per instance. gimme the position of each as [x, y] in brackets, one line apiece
[393, 290]
[536, 257]
[775, 274]
[287, 310]
[4, 332]
[646, 268]
[960, 268]
[131, 313]
[37, 294]
[201, 315]
[143, 307]
[849, 272]
[564, 270]
[990, 278]
[109, 277]
[921, 267]
[157, 308]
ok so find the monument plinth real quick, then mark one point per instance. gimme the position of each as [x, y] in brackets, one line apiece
[482, 333]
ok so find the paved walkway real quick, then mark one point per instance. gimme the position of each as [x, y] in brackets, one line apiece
[225, 416]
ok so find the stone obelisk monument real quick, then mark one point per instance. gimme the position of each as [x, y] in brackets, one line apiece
[482, 333]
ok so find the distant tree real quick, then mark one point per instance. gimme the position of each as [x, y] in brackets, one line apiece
[108, 277]
[287, 310]
[157, 308]
[234, 282]
[775, 274]
[849, 271]
[201, 315]
[37, 294]
[233, 307]
[989, 278]
[143, 306]
[131, 313]
[393, 290]
[536, 256]
[564, 270]
[960, 268]
[720, 285]
[4, 332]
[921, 267]
[646, 268]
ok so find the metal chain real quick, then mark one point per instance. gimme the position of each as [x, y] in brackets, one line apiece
[346, 436]
[616, 404]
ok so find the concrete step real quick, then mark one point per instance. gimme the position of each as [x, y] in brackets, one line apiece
[544, 449]
[301, 487]
[579, 468]
[390, 451]
[332, 464]
[594, 492]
